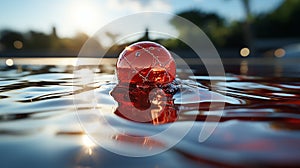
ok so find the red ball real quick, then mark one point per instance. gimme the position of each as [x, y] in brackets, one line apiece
[146, 62]
[144, 105]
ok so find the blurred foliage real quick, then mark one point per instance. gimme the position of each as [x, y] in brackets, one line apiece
[8, 37]
[35, 42]
[281, 22]
[220, 33]
[211, 24]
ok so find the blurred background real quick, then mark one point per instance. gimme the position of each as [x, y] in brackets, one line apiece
[237, 28]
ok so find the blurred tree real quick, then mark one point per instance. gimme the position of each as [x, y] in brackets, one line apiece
[248, 31]
[210, 23]
[8, 38]
[70, 44]
[282, 22]
[235, 37]
[38, 41]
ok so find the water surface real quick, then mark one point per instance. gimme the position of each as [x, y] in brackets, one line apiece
[260, 125]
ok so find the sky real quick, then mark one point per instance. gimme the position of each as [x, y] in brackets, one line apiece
[73, 16]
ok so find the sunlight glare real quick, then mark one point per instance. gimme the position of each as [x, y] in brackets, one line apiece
[88, 144]
[85, 17]
[128, 48]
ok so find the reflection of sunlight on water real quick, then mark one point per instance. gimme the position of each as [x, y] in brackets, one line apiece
[262, 106]
[88, 144]
[244, 67]
[87, 156]
[58, 61]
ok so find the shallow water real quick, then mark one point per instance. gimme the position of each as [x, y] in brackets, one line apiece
[260, 124]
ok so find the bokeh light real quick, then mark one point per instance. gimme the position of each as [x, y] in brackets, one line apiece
[279, 52]
[9, 62]
[18, 44]
[244, 52]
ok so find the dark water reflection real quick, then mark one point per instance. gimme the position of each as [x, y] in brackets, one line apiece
[260, 125]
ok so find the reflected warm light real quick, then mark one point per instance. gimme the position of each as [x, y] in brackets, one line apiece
[139, 140]
[9, 62]
[88, 144]
[244, 52]
[128, 48]
[244, 67]
[279, 52]
[86, 141]
[87, 154]
[55, 61]
[18, 44]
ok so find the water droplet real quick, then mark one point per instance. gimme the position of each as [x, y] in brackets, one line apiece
[151, 48]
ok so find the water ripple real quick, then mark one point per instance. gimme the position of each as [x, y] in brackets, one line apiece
[261, 115]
